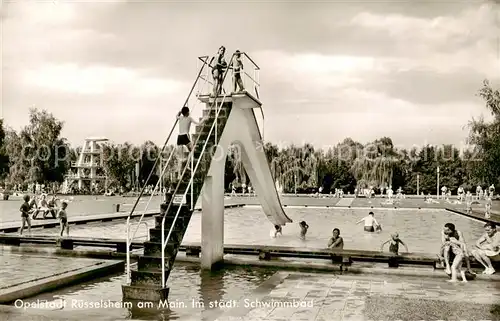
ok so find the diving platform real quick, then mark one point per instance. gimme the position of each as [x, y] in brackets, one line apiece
[88, 171]
[229, 120]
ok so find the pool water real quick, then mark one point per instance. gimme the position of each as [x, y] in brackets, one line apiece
[187, 282]
[419, 229]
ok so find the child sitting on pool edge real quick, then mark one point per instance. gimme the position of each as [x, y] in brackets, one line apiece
[394, 242]
[303, 230]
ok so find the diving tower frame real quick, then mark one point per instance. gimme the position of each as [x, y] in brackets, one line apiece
[242, 130]
[89, 159]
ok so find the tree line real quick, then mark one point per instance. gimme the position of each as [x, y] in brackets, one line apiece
[38, 153]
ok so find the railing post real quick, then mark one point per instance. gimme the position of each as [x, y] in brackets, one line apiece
[192, 178]
[128, 253]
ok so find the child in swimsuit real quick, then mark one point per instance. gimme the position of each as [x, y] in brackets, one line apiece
[303, 230]
[336, 241]
[277, 230]
[63, 218]
[394, 242]
[25, 214]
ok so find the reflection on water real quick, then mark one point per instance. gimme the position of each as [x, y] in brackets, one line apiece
[188, 284]
[420, 229]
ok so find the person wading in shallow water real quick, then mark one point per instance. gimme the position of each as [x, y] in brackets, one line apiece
[370, 223]
[336, 241]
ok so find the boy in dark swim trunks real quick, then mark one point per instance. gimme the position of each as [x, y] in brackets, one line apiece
[183, 139]
[394, 242]
[25, 214]
[370, 223]
[63, 218]
[185, 121]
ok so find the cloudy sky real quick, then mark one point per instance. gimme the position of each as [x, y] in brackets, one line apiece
[364, 69]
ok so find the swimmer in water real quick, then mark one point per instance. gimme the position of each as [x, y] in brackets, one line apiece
[370, 223]
[277, 230]
[394, 242]
[336, 241]
[303, 230]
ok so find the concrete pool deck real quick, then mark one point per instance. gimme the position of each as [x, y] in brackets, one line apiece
[10, 227]
[322, 297]
[326, 297]
[23, 275]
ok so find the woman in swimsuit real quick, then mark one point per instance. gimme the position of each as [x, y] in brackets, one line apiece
[458, 249]
[451, 231]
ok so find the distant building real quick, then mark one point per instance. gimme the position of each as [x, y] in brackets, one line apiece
[87, 173]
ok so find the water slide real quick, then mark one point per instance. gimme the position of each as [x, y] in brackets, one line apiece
[243, 131]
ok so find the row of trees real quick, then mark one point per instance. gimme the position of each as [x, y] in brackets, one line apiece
[39, 154]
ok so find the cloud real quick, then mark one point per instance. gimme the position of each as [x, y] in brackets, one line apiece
[72, 78]
[443, 44]
[344, 69]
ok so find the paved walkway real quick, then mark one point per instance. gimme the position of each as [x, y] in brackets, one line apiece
[322, 297]
[344, 202]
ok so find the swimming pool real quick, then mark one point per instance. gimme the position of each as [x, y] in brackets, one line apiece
[188, 284]
[420, 229]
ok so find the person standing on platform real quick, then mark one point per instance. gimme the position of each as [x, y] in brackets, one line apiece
[237, 66]
[218, 70]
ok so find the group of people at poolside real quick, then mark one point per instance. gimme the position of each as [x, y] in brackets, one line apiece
[453, 252]
[30, 209]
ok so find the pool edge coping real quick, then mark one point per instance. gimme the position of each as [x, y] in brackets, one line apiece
[33, 288]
